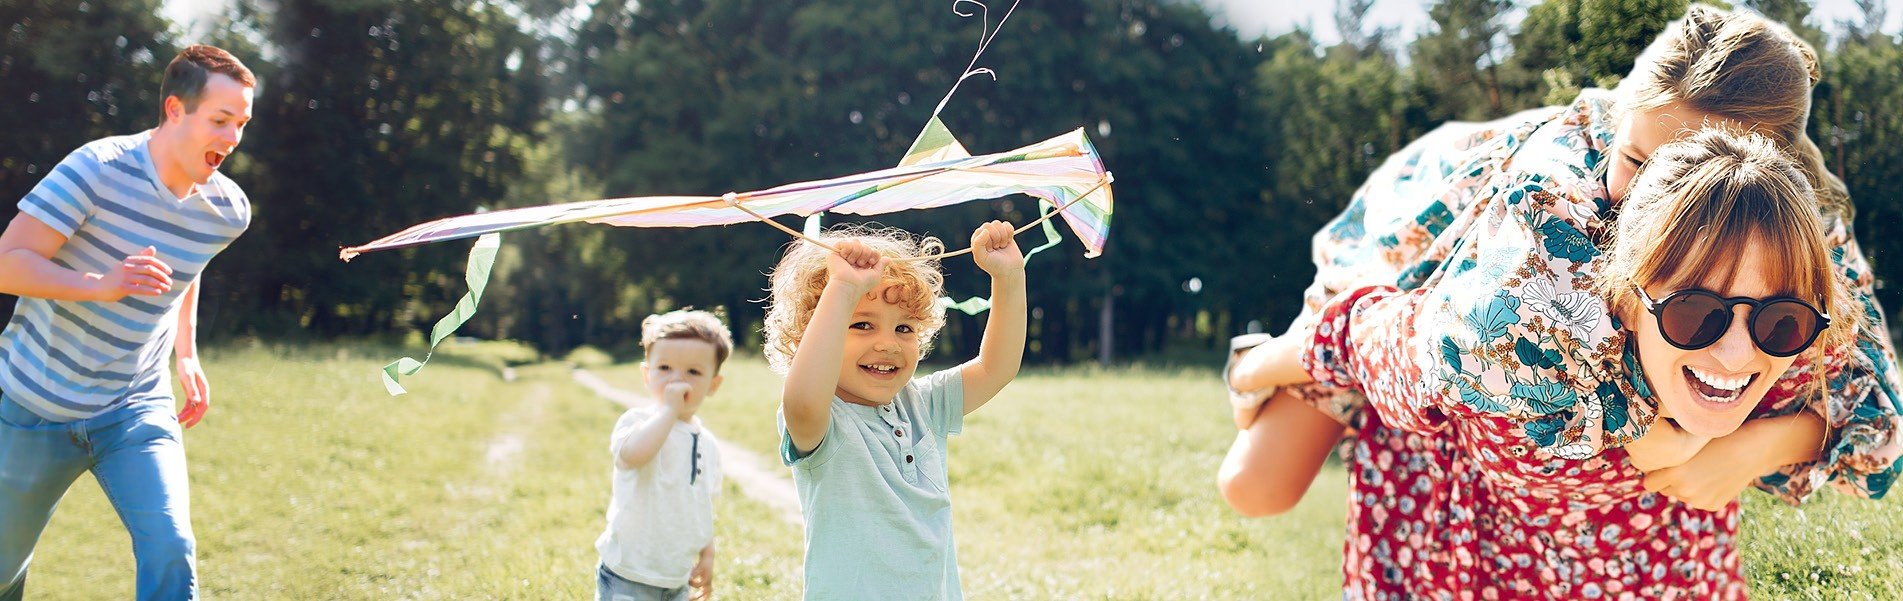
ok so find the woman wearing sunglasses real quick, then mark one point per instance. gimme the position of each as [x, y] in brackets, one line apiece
[1536, 388]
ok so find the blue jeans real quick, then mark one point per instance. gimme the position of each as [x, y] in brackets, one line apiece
[138, 457]
[610, 586]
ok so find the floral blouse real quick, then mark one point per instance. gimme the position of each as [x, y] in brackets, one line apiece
[1479, 241]
[1453, 296]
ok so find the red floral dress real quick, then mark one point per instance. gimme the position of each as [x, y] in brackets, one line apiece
[1453, 297]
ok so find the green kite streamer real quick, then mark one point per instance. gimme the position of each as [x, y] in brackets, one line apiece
[481, 259]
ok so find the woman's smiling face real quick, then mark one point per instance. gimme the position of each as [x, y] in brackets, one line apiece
[1710, 391]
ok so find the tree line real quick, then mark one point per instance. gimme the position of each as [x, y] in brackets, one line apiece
[373, 115]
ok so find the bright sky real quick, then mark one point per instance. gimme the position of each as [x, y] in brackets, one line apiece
[1251, 18]
[191, 13]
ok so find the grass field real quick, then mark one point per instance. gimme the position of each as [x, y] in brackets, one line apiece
[308, 482]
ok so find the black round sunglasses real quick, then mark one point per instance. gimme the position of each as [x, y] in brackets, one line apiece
[1693, 319]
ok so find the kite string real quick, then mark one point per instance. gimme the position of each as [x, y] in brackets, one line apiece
[733, 200]
[985, 34]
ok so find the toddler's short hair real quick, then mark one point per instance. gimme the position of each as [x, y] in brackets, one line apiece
[688, 324]
[801, 275]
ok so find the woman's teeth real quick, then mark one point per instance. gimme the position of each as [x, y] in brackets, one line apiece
[1715, 387]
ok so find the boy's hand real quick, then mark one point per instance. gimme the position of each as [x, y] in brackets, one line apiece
[994, 247]
[857, 266]
[679, 397]
[1263, 364]
[1247, 404]
[702, 578]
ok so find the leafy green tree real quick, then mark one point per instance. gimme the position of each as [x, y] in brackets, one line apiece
[562, 287]
[1457, 60]
[1333, 115]
[1794, 14]
[1854, 120]
[1351, 23]
[73, 72]
[1576, 44]
[1868, 28]
[379, 114]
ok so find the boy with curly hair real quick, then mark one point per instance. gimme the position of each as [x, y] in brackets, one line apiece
[864, 438]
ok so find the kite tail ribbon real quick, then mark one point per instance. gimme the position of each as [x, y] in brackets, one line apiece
[979, 304]
[482, 258]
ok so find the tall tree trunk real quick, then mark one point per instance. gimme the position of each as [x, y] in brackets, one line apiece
[1106, 328]
[1493, 90]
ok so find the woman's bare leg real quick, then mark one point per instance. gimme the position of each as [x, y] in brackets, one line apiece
[1273, 462]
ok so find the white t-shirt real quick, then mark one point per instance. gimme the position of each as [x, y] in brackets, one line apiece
[662, 513]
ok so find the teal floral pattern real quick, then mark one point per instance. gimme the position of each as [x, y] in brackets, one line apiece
[1504, 323]
[1453, 296]
[1498, 265]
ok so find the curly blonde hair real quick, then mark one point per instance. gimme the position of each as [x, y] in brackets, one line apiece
[800, 276]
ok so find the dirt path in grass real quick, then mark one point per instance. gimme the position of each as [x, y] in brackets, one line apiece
[759, 477]
[505, 450]
[502, 454]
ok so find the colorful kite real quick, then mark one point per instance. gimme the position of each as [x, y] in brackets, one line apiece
[1064, 173]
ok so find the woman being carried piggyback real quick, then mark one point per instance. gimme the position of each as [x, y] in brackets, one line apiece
[1552, 413]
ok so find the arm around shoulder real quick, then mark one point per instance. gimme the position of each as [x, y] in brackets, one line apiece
[1860, 449]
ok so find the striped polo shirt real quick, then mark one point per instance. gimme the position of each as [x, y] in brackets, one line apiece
[68, 360]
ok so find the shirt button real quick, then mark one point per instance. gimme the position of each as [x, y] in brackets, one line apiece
[898, 433]
[908, 458]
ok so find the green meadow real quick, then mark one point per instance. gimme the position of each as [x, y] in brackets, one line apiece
[309, 482]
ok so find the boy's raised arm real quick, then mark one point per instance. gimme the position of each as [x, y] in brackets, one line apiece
[806, 400]
[1002, 352]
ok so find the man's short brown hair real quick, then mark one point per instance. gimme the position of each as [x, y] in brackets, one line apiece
[186, 76]
[689, 324]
